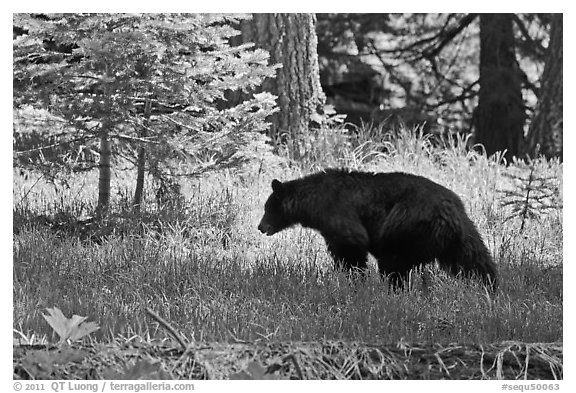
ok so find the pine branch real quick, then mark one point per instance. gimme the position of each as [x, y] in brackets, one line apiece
[82, 138]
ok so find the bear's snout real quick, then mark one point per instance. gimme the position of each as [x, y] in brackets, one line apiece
[265, 228]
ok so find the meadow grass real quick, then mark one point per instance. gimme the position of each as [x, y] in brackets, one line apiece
[207, 270]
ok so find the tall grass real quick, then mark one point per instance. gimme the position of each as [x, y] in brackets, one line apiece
[206, 269]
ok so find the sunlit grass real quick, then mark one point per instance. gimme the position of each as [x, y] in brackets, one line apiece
[208, 271]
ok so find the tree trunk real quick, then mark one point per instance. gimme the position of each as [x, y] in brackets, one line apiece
[546, 128]
[500, 114]
[139, 191]
[291, 40]
[104, 175]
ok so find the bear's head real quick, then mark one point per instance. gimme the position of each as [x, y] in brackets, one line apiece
[274, 219]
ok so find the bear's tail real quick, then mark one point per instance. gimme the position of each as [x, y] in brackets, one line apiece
[470, 257]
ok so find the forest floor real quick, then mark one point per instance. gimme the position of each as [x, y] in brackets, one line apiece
[293, 360]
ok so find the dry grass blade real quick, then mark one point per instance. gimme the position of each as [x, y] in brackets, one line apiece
[181, 340]
[292, 358]
[441, 363]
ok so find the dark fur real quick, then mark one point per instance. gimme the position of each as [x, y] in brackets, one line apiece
[403, 220]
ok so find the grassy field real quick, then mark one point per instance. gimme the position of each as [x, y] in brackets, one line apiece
[206, 269]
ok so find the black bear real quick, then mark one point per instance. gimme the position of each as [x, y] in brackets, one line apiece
[403, 220]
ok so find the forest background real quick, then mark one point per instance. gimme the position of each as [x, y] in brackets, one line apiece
[144, 147]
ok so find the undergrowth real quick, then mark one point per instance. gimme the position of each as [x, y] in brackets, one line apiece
[202, 265]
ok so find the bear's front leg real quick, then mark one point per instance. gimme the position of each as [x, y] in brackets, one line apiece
[348, 257]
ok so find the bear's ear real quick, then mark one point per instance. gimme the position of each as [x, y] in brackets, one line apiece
[277, 186]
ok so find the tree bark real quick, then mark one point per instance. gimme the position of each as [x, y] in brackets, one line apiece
[291, 41]
[545, 133]
[500, 114]
[104, 175]
[139, 191]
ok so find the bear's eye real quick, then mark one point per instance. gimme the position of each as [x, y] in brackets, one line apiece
[274, 204]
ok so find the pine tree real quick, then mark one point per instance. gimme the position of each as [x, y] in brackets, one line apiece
[500, 114]
[149, 83]
[547, 126]
[292, 42]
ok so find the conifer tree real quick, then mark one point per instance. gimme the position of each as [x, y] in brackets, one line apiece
[151, 85]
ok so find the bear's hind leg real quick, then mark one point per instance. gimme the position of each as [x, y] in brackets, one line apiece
[471, 259]
[396, 270]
